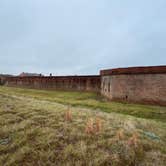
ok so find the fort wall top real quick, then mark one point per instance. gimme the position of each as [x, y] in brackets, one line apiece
[135, 70]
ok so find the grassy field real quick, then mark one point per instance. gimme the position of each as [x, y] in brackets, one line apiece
[72, 128]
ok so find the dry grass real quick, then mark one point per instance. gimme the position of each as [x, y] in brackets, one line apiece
[68, 114]
[93, 126]
[120, 134]
[34, 132]
[134, 140]
[90, 129]
[98, 125]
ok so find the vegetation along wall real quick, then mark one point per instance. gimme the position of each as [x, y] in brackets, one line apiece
[71, 83]
[135, 84]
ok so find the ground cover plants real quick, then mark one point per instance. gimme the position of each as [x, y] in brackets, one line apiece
[47, 128]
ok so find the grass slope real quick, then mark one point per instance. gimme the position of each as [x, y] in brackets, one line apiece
[33, 130]
[91, 100]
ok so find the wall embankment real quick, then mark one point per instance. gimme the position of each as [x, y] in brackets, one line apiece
[66, 83]
[135, 84]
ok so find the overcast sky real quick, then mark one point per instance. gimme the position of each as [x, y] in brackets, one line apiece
[66, 37]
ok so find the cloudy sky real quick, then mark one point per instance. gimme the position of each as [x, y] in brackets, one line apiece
[66, 37]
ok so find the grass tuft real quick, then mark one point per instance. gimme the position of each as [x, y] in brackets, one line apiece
[134, 140]
[98, 125]
[68, 114]
[120, 134]
[89, 129]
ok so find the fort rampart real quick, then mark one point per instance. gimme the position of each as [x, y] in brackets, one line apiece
[133, 84]
[68, 83]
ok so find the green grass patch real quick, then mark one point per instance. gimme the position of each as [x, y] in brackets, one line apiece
[91, 100]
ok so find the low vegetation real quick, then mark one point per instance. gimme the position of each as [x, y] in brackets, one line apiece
[72, 128]
[90, 100]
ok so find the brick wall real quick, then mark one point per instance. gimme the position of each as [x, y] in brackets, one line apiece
[135, 84]
[2, 80]
[74, 83]
[141, 85]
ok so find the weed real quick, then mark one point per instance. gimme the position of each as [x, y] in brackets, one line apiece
[90, 126]
[68, 115]
[134, 140]
[93, 126]
[98, 125]
[120, 134]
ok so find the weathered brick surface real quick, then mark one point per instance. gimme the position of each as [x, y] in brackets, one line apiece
[134, 84]
[141, 87]
[135, 70]
[75, 83]
[2, 80]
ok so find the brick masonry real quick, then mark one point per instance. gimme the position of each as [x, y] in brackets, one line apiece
[134, 84]
[69, 83]
[137, 84]
[2, 80]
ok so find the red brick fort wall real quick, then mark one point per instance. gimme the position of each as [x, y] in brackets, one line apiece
[71, 83]
[135, 84]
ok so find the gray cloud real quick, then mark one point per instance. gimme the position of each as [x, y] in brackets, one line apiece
[80, 36]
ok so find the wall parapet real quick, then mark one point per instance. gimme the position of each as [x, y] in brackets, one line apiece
[74, 83]
[134, 70]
